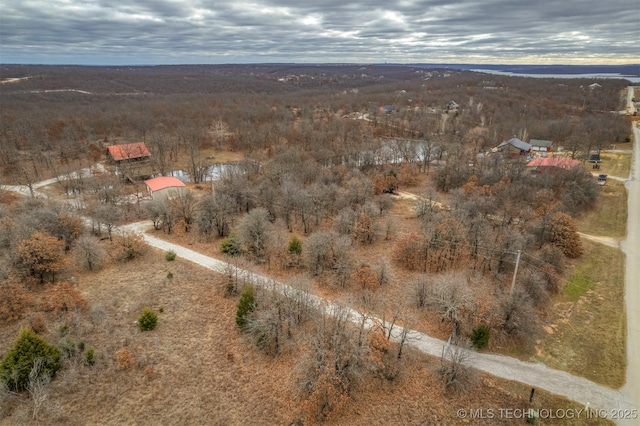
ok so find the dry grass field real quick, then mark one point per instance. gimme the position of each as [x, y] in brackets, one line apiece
[197, 368]
[608, 217]
[586, 333]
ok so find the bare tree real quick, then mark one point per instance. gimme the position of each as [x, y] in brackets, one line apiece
[384, 204]
[455, 371]
[216, 214]
[254, 231]
[192, 139]
[326, 250]
[234, 274]
[517, 314]
[27, 175]
[363, 231]
[106, 216]
[89, 253]
[344, 222]
[333, 367]
[394, 326]
[420, 291]
[184, 205]
[38, 386]
[450, 296]
[160, 147]
[106, 189]
[154, 210]
[279, 315]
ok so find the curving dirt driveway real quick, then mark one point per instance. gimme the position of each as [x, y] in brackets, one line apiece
[535, 375]
[608, 241]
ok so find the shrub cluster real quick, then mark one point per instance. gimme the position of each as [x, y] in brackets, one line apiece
[480, 336]
[170, 256]
[19, 361]
[246, 306]
[148, 320]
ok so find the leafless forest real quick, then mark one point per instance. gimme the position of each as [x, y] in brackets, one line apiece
[362, 184]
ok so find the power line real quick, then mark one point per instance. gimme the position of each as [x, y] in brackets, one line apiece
[565, 281]
[545, 262]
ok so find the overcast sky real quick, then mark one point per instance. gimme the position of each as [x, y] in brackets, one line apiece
[354, 31]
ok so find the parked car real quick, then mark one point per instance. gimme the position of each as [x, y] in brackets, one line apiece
[602, 179]
[594, 157]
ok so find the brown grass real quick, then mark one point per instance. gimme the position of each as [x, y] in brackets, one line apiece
[608, 217]
[194, 368]
[223, 156]
[616, 164]
[8, 198]
[587, 336]
[197, 368]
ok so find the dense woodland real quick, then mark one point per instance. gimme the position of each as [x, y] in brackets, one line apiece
[316, 198]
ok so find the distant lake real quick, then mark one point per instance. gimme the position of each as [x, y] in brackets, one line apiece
[632, 79]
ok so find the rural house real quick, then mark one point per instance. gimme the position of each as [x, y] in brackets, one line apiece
[541, 145]
[552, 164]
[452, 106]
[513, 147]
[128, 152]
[164, 187]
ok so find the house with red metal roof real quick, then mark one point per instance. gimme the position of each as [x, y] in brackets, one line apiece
[128, 152]
[164, 187]
[551, 164]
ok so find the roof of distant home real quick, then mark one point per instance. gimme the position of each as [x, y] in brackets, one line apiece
[129, 151]
[516, 143]
[563, 163]
[541, 142]
[163, 182]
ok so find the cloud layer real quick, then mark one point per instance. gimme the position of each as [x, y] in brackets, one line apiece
[404, 31]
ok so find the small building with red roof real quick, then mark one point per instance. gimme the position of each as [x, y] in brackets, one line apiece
[129, 152]
[553, 163]
[164, 187]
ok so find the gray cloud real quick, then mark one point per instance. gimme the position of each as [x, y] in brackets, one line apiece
[211, 31]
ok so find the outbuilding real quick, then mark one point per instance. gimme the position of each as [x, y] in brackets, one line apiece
[164, 187]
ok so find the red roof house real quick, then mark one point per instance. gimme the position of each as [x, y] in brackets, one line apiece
[129, 152]
[553, 163]
[165, 187]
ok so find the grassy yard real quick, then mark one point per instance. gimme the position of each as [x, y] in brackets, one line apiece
[608, 217]
[615, 164]
[587, 330]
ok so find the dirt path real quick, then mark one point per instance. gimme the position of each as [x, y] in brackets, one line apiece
[535, 375]
[78, 174]
[608, 241]
[14, 80]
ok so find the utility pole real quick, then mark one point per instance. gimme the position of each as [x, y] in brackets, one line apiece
[515, 272]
